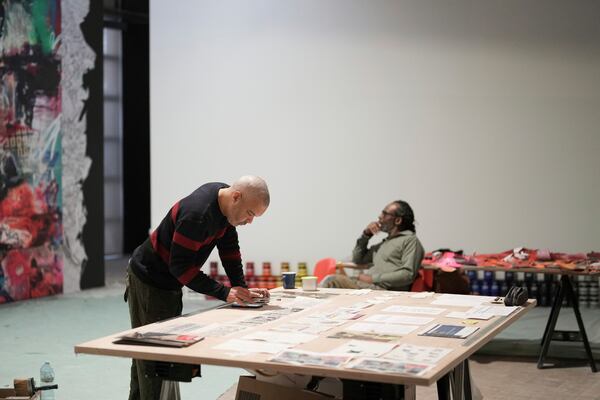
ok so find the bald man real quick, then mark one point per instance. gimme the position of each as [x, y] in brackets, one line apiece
[173, 255]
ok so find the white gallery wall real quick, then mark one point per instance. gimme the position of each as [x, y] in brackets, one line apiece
[483, 115]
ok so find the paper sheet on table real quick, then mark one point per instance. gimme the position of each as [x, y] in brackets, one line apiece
[398, 319]
[365, 336]
[265, 317]
[482, 312]
[345, 314]
[320, 328]
[340, 314]
[301, 357]
[279, 337]
[359, 292]
[457, 315]
[417, 354]
[180, 328]
[389, 366]
[495, 310]
[381, 299]
[422, 295]
[220, 330]
[414, 310]
[290, 327]
[363, 348]
[314, 326]
[359, 306]
[390, 329]
[461, 300]
[304, 302]
[391, 295]
[320, 320]
[251, 346]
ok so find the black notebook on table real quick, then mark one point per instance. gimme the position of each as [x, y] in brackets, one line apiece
[450, 331]
[158, 339]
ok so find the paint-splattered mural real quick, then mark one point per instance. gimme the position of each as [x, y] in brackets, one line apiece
[30, 150]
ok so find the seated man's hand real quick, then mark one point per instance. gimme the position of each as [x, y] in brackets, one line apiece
[365, 278]
[372, 229]
[240, 295]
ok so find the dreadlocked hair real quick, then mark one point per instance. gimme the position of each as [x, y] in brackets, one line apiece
[405, 212]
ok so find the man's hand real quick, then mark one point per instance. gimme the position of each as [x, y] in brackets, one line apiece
[365, 278]
[372, 228]
[260, 293]
[240, 295]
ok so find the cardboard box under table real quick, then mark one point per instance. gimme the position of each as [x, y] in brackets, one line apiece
[250, 388]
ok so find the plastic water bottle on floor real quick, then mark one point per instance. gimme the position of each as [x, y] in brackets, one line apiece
[47, 378]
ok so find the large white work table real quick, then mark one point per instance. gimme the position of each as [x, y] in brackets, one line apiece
[452, 368]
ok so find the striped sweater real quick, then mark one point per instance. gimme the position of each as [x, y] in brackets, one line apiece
[175, 252]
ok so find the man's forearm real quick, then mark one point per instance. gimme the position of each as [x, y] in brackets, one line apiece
[360, 254]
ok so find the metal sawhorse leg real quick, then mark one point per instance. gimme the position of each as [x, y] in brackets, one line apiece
[565, 290]
[456, 385]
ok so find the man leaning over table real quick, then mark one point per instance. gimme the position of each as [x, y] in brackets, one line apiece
[175, 252]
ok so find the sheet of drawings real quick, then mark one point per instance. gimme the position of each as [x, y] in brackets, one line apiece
[385, 329]
[241, 346]
[293, 338]
[178, 327]
[417, 354]
[414, 310]
[389, 366]
[363, 348]
[398, 319]
[313, 326]
[461, 300]
[300, 357]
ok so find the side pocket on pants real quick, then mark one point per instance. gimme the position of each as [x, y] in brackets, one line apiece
[125, 295]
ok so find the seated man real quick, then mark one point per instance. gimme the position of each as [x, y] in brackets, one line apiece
[394, 261]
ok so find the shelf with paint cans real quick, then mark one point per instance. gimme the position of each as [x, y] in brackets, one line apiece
[540, 286]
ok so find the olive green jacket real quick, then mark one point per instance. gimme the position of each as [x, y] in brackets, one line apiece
[395, 260]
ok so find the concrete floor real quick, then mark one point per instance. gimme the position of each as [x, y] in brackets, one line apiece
[35, 331]
[47, 329]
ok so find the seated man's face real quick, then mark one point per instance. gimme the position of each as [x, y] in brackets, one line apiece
[387, 218]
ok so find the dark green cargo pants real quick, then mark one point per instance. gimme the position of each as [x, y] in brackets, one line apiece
[148, 304]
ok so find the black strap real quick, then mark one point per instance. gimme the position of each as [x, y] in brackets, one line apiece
[313, 384]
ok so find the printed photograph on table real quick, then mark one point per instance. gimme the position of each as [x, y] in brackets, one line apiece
[365, 336]
[397, 367]
[363, 348]
[30, 150]
[310, 358]
[411, 353]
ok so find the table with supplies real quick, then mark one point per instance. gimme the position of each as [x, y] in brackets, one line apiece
[367, 340]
